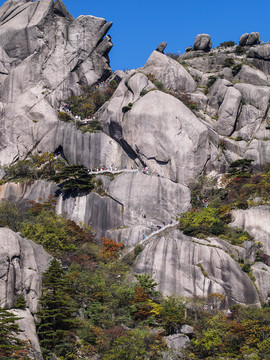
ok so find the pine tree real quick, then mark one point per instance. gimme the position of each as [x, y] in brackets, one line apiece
[57, 312]
[20, 302]
[9, 343]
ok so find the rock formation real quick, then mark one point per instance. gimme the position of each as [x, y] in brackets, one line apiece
[202, 42]
[22, 264]
[251, 39]
[161, 47]
[46, 55]
[166, 124]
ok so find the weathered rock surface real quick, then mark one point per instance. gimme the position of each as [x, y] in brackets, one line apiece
[252, 76]
[21, 265]
[168, 142]
[257, 96]
[256, 221]
[202, 42]
[251, 39]
[228, 112]
[177, 341]
[161, 47]
[262, 276]
[46, 55]
[191, 267]
[93, 150]
[169, 72]
[260, 52]
[135, 202]
[28, 333]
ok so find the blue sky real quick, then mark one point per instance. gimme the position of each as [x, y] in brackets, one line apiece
[139, 26]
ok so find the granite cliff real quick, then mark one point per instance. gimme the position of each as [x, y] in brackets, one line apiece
[167, 123]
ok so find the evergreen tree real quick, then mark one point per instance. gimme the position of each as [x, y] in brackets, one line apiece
[20, 302]
[57, 312]
[9, 343]
[74, 178]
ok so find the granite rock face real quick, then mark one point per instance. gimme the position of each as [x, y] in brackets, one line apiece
[187, 266]
[21, 265]
[255, 220]
[46, 55]
[28, 333]
[174, 119]
[169, 72]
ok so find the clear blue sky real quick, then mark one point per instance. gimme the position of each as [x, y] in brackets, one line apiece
[139, 26]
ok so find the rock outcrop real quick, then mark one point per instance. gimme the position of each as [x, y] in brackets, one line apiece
[251, 39]
[202, 42]
[161, 47]
[169, 72]
[184, 265]
[22, 263]
[28, 333]
[46, 55]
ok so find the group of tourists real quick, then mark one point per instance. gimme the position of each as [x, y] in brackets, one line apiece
[157, 227]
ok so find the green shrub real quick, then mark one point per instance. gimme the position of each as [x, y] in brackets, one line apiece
[211, 80]
[227, 44]
[138, 249]
[93, 126]
[240, 167]
[63, 116]
[229, 62]
[236, 69]
[143, 92]
[239, 50]
[127, 108]
[159, 85]
[193, 107]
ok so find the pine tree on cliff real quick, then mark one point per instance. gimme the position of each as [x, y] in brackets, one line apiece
[57, 312]
[10, 345]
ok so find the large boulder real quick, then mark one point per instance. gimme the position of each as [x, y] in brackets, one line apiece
[22, 263]
[257, 96]
[252, 76]
[161, 47]
[169, 72]
[254, 38]
[251, 39]
[243, 39]
[202, 42]
[260, 52]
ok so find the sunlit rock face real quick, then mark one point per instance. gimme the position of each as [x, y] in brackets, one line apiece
[22, 263]
[166, 124]
[45, 56]
[188, 266]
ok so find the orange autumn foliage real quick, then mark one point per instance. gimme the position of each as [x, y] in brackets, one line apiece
[110, 248]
